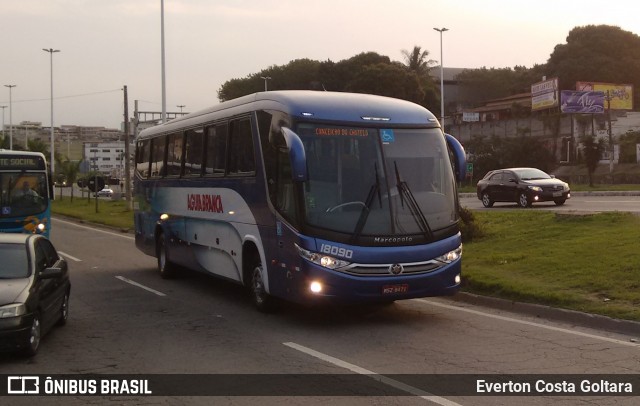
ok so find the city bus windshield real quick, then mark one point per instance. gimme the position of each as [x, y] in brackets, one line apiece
[392, 185]
[22, 194]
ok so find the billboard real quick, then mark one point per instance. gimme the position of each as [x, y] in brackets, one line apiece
[544, 95]
[621, 95]
[581, 102]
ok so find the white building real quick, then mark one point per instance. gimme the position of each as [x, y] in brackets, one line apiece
[106, 157]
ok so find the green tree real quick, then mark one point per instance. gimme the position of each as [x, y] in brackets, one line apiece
[479, 85]
[417, 61]
[592, 150]
[390, 80]
[599, 53]
[69, 171]
[37, 145]
[628, 147]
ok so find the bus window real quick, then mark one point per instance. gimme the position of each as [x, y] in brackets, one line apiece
[174, 154]
[216, 149]
[241, 154]
[157, 157]
[142, 158]
[193, 152]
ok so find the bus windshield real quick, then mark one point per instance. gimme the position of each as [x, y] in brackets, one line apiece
[22, 193]
[386, 184]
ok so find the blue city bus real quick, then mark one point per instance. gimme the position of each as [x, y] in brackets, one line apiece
[25, 193]
[304, 196]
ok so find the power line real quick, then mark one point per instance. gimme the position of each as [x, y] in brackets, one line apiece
[66, 97]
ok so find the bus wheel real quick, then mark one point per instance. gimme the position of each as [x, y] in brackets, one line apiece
[261, 299]
[165, 267]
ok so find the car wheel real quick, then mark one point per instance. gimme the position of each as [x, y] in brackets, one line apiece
[165, 267]
[559, 202]
[35, 335]
[486, 200]
[261, 299]
[523, 200]
[64, 310]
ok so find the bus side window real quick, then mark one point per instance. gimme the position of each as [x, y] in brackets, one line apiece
[241, 153]
[216, 149]
[142, 158]
[193, 152]
[174, 154]
[158, 149]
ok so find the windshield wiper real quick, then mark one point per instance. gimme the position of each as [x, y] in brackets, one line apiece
[364, 214]
[414, 207]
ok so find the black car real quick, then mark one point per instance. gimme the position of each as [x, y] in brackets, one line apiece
[34, 291]
[524, 186]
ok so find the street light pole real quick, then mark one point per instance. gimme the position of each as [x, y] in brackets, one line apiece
[10, 117]
[181, 106]
[51, 52]
[164, 87]
[265, 81]
[2, 107]
[441, 30]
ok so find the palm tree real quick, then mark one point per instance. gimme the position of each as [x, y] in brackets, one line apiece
[416, 60]
[69, 170]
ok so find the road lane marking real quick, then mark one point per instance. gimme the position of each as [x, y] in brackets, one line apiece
[95, 229]
[148, 289]
[527, 323]
[377, 377]
[64, 254]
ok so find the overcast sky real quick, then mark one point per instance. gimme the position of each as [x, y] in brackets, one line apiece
[106, 44]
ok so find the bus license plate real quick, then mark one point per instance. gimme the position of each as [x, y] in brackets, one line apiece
[391, 289]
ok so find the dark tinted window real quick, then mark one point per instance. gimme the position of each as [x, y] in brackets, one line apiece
[241, 154]
[157, 156]
[216, 149]
[193, 152]
[143, 151]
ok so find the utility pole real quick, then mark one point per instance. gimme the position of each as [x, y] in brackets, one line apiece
[610, 134]
[127, 169]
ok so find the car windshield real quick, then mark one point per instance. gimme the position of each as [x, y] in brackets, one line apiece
[382, 183]
[531, 174]
[22, 193]
[14, 261]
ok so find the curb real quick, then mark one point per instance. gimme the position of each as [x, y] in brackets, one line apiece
[587, 193]
[576, 318]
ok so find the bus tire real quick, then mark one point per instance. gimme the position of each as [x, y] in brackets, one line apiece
[263, 301]
[165, 267]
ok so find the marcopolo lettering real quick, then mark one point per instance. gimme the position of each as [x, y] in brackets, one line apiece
[204, 202]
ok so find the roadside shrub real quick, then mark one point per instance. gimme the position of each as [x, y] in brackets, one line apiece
[469, 228]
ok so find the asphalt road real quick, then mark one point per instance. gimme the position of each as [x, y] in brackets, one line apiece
[579, 202]
[125, 319]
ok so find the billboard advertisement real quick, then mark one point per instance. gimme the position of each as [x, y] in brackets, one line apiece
[544, 95]
[582, 102]
[621, 95]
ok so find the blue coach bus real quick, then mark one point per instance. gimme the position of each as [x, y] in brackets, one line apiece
[25, 193]
[304, 196]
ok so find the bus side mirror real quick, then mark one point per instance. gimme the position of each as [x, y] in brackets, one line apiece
[296, 155]
[459, 157]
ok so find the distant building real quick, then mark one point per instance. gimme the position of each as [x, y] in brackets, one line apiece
[105, 157]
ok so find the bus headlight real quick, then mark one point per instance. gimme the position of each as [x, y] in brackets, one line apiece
[41, 227]
[451, 256]
[321, 259]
